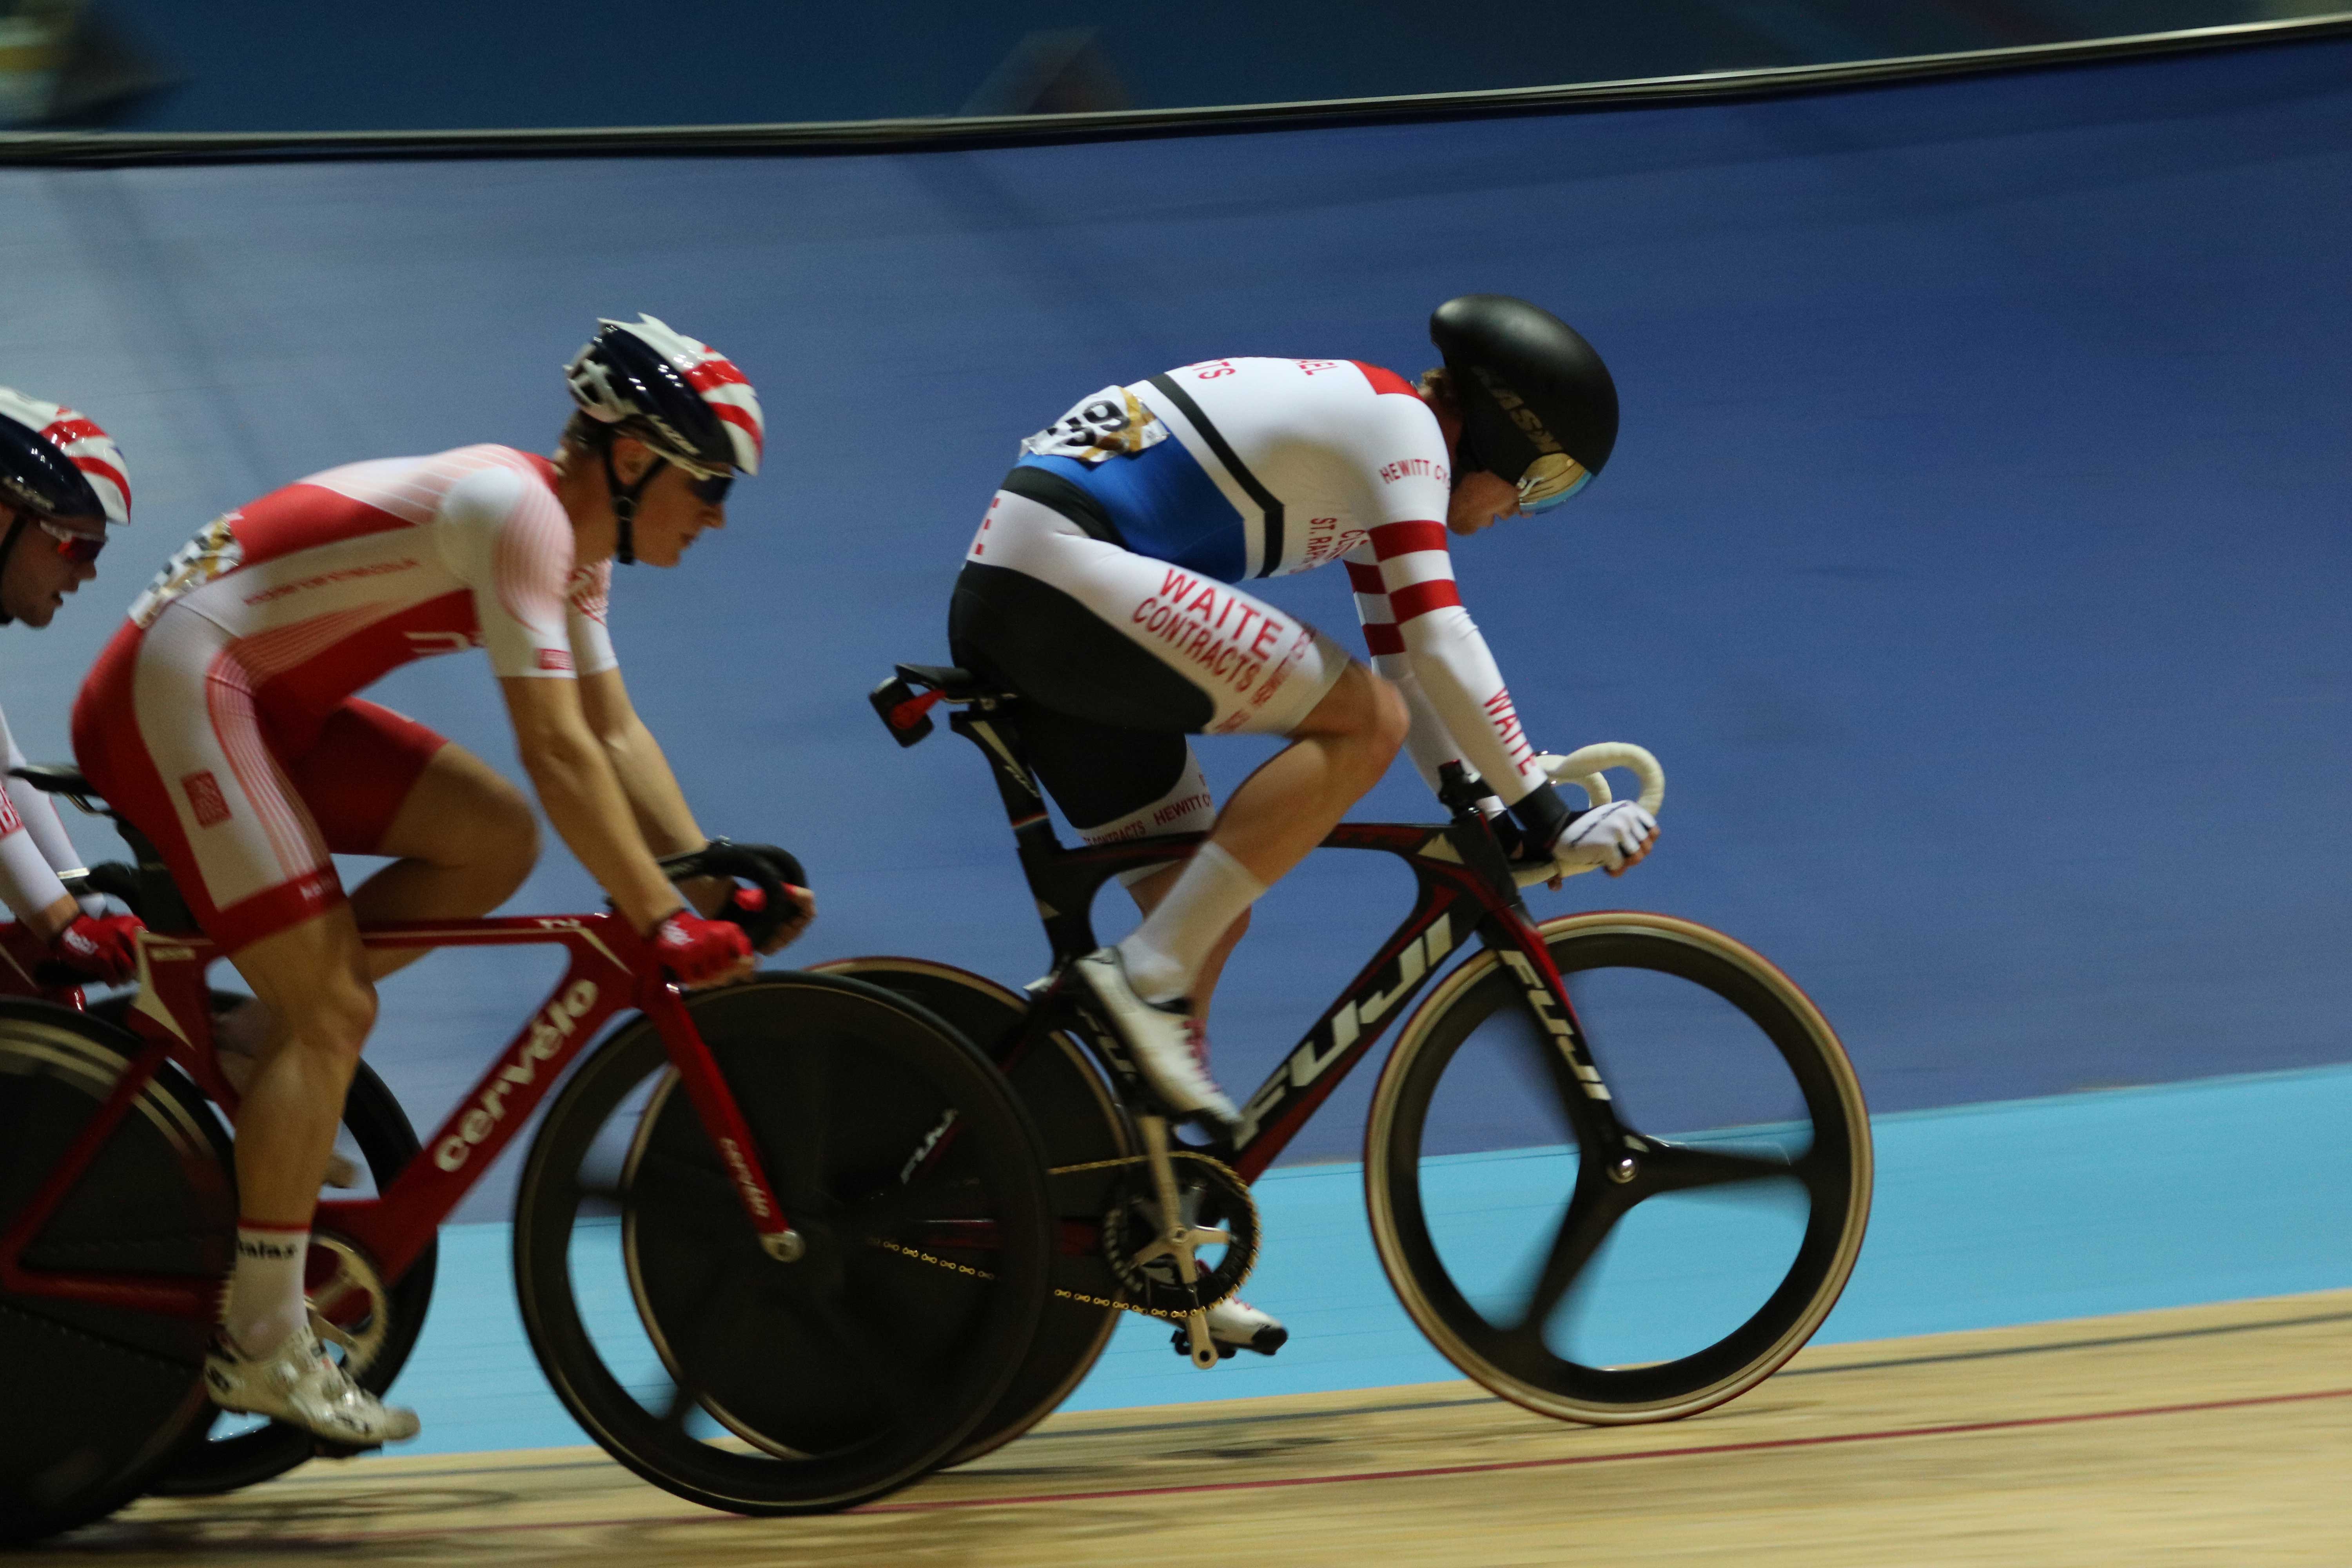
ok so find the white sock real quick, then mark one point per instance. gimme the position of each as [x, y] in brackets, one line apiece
[265, 1303]
[1164, 955]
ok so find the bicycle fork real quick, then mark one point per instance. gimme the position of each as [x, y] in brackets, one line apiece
[1592, 1112]
[722, 1121]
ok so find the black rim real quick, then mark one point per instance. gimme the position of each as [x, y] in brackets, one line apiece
[99, 1397]
[849, 1372]
[1822, 1160]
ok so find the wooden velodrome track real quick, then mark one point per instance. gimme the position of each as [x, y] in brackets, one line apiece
[2210, 1435]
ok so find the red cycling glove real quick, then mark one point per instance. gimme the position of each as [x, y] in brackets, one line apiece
[104, 947]
[693, 950]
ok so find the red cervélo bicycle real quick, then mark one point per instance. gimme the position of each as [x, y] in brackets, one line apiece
[727, 1245]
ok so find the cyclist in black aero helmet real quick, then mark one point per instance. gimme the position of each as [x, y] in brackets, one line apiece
[1101, 587]
[1538, 406]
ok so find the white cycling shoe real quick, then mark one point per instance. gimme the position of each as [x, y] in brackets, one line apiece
[300, 1384]
[1235, 1325]
[1165, 1039]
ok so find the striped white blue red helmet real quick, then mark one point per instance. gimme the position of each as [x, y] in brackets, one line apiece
[683, 398]
[58, 463]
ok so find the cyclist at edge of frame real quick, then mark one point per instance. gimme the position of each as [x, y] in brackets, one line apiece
[63, 483]
[222, 721]
[1101, 588]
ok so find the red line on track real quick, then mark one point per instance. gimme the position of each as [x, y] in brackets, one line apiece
[1956, 1428]
[1760, 1445]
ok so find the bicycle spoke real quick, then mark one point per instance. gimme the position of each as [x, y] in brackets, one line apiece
[1682, 1167]
[885, 1369]
[684, 1401]
[895, 1208]
[601, 1191]
[735, 1282]
[1823, 1171]
[1591, 1214]
[798, 1160]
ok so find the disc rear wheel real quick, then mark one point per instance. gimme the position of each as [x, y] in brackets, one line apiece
[1083, 1133]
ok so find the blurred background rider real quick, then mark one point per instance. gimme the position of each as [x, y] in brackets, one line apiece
[62, 485]
[223, 721]
[1100, 587]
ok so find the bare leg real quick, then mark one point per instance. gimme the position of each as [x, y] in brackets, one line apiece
[313, 979]
[466, 838]
[1292, 803]
[1281, 811]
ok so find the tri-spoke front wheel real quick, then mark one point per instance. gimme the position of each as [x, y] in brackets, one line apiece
[1639, 1248]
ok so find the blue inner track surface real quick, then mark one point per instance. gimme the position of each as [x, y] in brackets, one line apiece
[1986, 1216]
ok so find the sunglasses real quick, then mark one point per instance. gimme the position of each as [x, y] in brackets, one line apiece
[710, 491]
[1549, 480]
[81, 549]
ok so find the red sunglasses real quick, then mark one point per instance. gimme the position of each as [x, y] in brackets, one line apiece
[81, 549]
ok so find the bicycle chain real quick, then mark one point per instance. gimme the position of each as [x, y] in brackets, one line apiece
[1081, 1297]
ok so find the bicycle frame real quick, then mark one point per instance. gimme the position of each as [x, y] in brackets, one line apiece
[607, 974]
[1463, 887]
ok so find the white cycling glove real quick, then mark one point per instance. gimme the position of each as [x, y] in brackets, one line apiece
[1604, 836]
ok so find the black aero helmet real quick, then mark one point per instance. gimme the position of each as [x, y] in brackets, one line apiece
[1538, 405]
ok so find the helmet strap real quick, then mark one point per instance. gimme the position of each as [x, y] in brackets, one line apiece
[8, 548]
[1465, 454]
[624, 506]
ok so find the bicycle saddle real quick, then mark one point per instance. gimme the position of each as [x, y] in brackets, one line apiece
[952, 684]
[906, 713]
[55, 778]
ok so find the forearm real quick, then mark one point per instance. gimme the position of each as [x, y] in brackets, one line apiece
[591, 812]
[1426, 740]
[28, 883]
[654, 799]
[34, 849]
[1458, 678]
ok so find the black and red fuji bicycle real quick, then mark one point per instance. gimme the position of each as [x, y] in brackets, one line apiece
[721, 1239]
[1618, 1166]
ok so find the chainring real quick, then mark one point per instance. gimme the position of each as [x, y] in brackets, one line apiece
[1213, 1197]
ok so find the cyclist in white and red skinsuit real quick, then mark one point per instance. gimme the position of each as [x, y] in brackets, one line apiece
[1100, 587]
[63, 484]
[222, 721]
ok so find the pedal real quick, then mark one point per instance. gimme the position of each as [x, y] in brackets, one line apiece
[1182, 1342]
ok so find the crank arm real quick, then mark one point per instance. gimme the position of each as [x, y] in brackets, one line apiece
[1197, 1343]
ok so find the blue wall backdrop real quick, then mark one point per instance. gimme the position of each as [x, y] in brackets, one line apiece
[1974, 554]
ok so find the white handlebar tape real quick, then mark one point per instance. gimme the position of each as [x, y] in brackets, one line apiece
[1582, 768]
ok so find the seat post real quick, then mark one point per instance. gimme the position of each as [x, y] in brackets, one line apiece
[160, 903]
